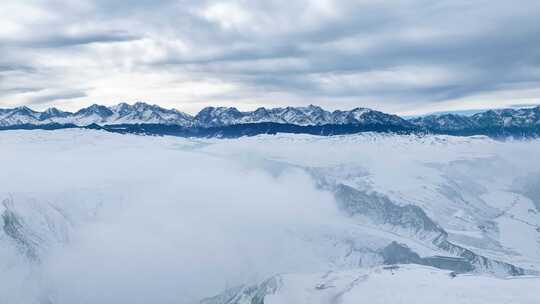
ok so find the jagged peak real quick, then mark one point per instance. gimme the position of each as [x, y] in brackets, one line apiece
[52, 110]
[144, 105]
[95, 109]
[121, 105]
[24, 109]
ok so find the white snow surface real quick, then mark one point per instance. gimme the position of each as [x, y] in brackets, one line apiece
[403, 285]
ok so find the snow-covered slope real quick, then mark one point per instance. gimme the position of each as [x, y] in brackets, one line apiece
[383, 285]
[20, 115]
[143, 217]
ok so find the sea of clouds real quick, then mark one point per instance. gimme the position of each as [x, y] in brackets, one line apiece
[151, 222]
[134, 219]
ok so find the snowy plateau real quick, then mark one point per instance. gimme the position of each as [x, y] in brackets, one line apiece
[89, 216]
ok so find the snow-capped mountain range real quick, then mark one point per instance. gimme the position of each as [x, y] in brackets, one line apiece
[520, 118]
[143, 113]
[139, 117]
[122, 113]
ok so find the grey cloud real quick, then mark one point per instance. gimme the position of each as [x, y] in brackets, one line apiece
[485, 46]
[488, 59]
[240, 55]
[11, 67]
[66, 40]
[46, 98]
[18, 90]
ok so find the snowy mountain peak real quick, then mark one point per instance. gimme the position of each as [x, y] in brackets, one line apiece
[53, 112]
[96, 109]
[19, 116]
[501, 118]
[24, 110]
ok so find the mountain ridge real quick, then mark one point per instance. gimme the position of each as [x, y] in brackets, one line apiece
[312, 119]
[524, 117]
[143, 113]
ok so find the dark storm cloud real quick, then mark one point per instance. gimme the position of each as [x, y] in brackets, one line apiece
[413, 51]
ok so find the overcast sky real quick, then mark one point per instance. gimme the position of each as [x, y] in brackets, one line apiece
[405, 57]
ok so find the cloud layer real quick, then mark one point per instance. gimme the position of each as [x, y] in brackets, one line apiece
[414, 56]
[192, 225]
[139, 219]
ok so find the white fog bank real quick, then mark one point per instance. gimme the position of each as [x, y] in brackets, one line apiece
[108, 218]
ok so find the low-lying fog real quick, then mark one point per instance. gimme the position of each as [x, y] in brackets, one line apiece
[131, 219]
